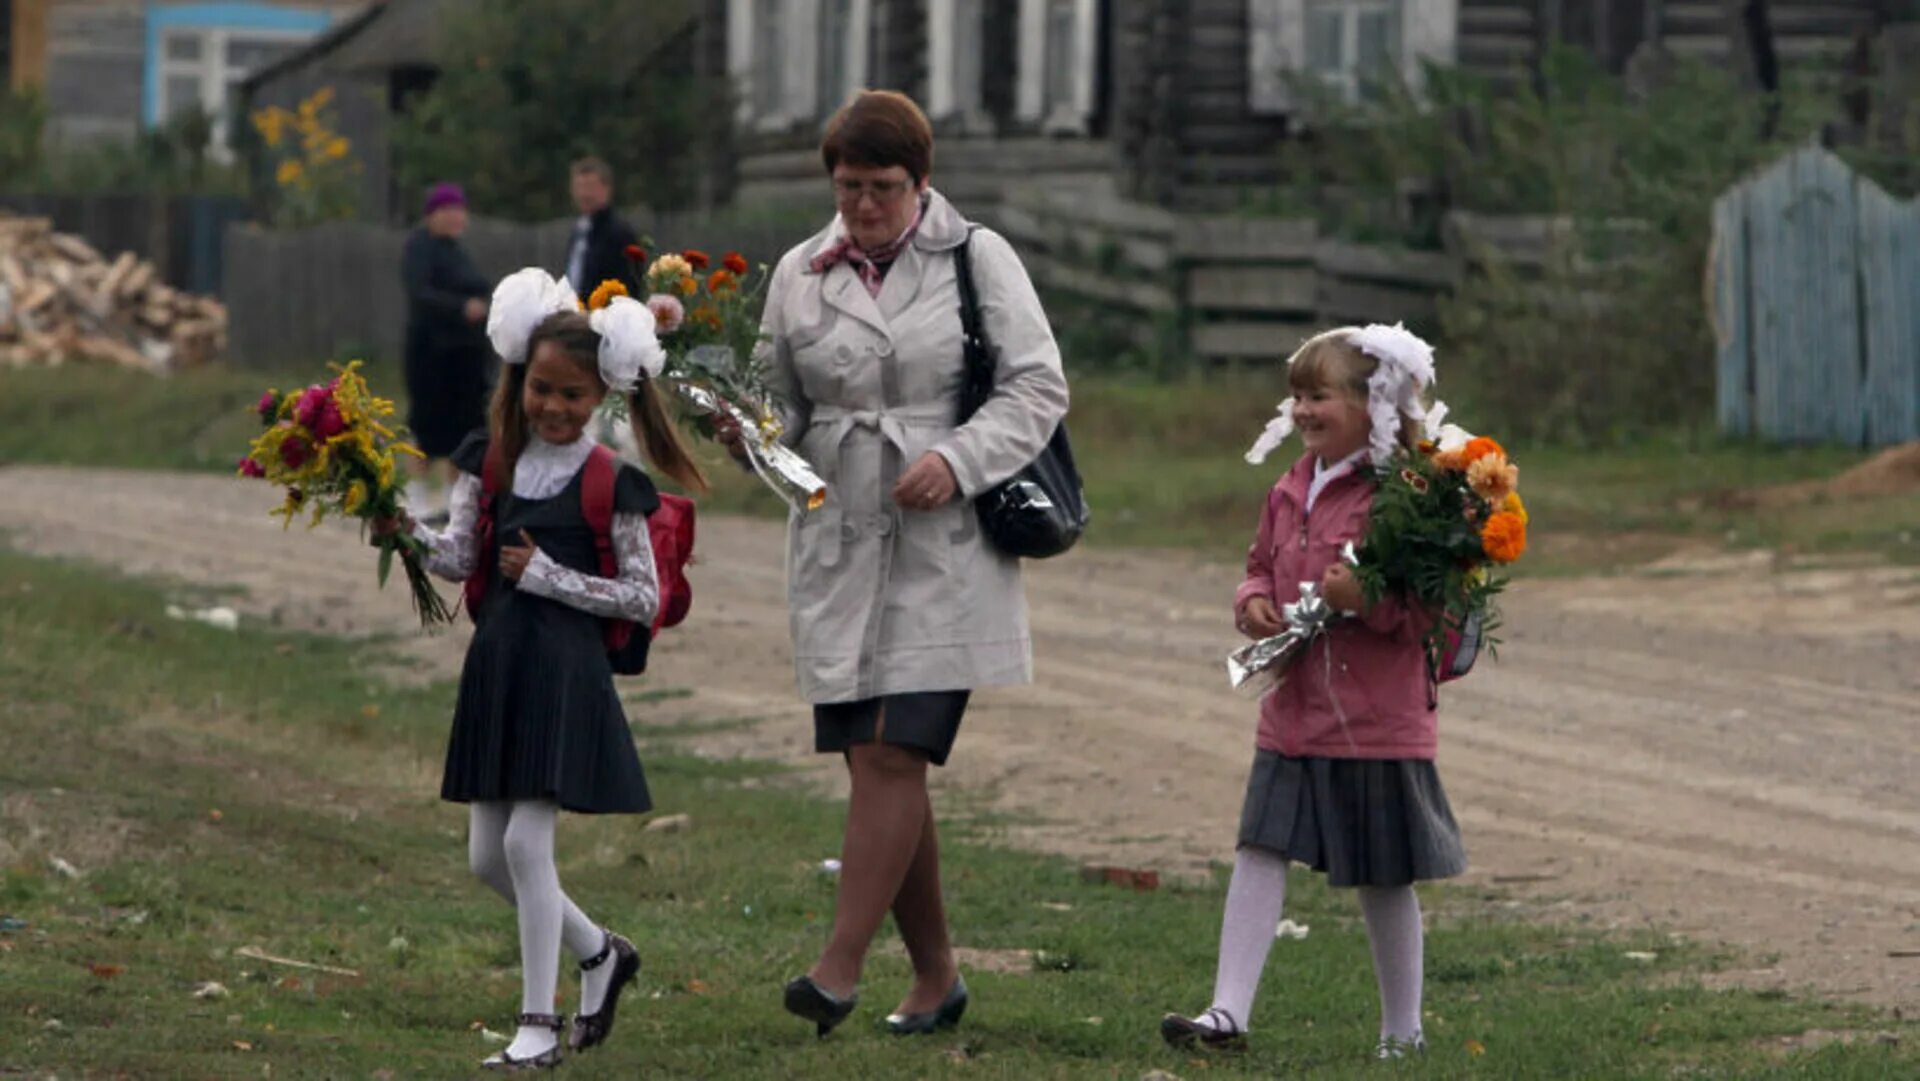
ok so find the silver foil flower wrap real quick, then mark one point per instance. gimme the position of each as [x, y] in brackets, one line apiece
[782, 470]
[1259, 667]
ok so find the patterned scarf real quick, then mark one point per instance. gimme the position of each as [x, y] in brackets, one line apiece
[870, 265]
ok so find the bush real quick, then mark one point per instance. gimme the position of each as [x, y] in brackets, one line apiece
[1612, 337]
[539, 85]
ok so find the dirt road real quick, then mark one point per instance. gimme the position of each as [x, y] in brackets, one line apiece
[1718, 747]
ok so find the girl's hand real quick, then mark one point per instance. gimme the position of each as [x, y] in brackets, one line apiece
[927, 485]
[514, 558]
[386, 527]
[726, 431]
[1259, 619]
[1342, 589]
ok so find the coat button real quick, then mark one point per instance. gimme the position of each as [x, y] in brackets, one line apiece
[885, 349]
[848, 533]
[885, 526]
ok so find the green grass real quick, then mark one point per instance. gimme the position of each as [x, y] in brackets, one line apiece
[1162, 461]
[126, 732]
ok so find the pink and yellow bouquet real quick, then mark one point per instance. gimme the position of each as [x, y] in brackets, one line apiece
[328, 447]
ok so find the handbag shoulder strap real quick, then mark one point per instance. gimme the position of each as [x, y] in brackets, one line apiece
[973, 332]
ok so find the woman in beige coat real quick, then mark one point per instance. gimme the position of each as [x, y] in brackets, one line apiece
[899, 605]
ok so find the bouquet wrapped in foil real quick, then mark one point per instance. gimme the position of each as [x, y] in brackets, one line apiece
[784, 471]
[1260, 666]
[709, 325]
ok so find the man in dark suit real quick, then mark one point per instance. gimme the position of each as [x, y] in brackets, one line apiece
[598, 250]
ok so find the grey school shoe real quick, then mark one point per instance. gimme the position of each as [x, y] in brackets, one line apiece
[1392, 1047]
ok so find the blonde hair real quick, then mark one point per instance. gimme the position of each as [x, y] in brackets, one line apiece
[1330, 361]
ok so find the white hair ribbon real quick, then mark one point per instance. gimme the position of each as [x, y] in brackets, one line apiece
[629, 347]
[1403, 370]
[521, 300]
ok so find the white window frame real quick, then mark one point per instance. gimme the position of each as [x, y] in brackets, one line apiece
[1074, 115]
[1277, 46]
[1345, 78]
[956, 57]
[801, 102]
[213, 73]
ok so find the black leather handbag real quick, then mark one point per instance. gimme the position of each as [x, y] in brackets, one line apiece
[1040, 511]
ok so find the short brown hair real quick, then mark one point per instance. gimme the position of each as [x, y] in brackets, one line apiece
[879, 128]
[595, 165]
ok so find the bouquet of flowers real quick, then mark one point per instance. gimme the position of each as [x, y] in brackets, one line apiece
[1443, 522]
[709, 325]
[327, 446]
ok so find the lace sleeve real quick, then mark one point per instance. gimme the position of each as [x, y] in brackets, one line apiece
[454, 550]
[633, 596]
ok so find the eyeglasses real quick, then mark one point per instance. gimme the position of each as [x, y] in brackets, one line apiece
[883, 191]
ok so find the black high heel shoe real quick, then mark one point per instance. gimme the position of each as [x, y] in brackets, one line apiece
[590, 1029]
[809, 1000]
[945, 1015]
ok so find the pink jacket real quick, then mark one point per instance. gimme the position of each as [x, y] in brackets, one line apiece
[1378, 670]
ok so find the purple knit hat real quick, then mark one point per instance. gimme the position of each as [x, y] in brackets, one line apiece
[445, 193]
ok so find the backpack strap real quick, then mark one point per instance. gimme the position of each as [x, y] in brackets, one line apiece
[491, 470]
[596, 505]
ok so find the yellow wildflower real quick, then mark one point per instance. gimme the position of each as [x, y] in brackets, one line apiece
[356, 497]
[338, 148]
[290, 172]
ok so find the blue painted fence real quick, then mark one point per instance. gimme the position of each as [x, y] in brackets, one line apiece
[1815, 281]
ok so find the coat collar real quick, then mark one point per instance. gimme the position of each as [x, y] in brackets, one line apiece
[942, 229]
[1295, 481]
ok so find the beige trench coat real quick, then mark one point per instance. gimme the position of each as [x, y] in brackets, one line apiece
[884, 600]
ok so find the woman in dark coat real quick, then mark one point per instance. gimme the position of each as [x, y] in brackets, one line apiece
[448, 362]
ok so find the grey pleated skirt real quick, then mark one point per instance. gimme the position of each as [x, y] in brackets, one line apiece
[1360, 821]
[927, 721]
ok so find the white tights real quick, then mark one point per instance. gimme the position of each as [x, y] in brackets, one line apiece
[1255, 897]
[510, 847]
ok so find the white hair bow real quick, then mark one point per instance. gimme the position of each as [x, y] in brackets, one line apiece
[1403, 371]
[629, 347]
[521, 300]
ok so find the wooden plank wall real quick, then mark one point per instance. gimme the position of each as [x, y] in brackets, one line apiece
[1815, 306]
[1239, 288]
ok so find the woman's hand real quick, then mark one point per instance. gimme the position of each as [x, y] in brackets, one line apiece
[515, 557]
[1259, 619]
[475, 309]
[726, 432]
[1341, 589]
[383, 528]
[926, 486]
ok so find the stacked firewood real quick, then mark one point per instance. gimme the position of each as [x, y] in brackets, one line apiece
[62, 301]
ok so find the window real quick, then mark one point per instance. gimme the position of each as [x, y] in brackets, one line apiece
[1353, 45]
[769, 74]
[202, 67]
[831, 66]
[1058, 57]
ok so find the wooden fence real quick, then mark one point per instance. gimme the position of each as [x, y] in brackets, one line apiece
[298, 297]
[1815, 282]
[180, 234]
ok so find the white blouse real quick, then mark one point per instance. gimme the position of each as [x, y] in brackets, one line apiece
[543, 471]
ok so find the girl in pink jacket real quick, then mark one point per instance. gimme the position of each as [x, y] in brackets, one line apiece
[1343, 778]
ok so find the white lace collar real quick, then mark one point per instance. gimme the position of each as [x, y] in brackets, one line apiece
[545, 468]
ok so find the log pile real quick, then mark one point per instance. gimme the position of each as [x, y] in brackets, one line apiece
[62, 301]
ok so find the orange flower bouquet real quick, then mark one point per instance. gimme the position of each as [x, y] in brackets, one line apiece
[1443, 524]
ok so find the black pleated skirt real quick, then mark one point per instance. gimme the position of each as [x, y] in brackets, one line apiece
[538, 717]
[928, 721]
[1360, 821]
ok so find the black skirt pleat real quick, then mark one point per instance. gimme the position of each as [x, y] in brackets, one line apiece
[1361, 821]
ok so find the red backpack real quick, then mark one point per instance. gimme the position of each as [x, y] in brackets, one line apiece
[669, 529]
